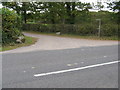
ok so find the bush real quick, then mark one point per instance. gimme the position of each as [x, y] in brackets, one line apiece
[79, 29]
[86, 29]
[109, 30]
[10, 26]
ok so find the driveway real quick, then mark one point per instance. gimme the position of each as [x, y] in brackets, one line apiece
[46, 42]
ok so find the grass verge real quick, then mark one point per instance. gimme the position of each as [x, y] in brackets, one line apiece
[29, 41]
[115, 38]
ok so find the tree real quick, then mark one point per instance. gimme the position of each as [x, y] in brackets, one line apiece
[20, 7]
[115, 6]
[99, 5]
[63, 12]
[49, 12]
[10, 26]
[13, 5]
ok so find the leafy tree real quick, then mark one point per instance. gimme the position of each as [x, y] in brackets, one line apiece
[20, 7]
[10, 26]
[13, 5]
[50, 12]
[99, 5]
[115, 6]
[60, 12]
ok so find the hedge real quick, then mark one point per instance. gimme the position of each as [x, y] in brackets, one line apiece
[80, 29]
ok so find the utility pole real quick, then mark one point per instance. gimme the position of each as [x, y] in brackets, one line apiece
[99, 27]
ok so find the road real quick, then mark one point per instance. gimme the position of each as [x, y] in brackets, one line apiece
[25, 70]
[46, 42]
[58, 62]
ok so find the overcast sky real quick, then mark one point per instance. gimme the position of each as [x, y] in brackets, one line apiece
[104, 2]
[0, 5]
[92, 1]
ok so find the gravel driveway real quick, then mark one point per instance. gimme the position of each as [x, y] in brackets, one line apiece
[46, 42]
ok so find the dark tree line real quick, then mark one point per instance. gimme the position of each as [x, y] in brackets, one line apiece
[54, 12]
[51, 12]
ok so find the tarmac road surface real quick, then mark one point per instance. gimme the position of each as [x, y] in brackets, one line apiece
[83, 67]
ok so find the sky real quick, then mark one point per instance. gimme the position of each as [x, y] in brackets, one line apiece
[0, 5]
[92, 1]
[104, 2]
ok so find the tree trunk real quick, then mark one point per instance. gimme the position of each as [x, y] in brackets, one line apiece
[24, 12]
[70, 8]
[25, 18]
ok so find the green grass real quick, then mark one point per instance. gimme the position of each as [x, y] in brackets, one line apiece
[115, 38]
[29, 41]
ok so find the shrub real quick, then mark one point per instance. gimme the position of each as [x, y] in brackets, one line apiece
[79, 29]
[86, 29]
[109, 30]
[10, 26]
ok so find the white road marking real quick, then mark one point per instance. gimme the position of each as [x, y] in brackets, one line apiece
[69, 65]
[82, 62]
[75, 63]
[75, 69]
[82, 49]
[24, 71]
[105, 56]
[33, 67]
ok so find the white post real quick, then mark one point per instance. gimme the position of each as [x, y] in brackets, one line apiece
[99, 28]
[99, 32]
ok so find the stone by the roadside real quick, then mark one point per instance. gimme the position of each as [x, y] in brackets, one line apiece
[20, 39]
[58, 33]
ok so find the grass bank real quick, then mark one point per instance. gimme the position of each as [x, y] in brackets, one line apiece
[115, 38]
[29, 41]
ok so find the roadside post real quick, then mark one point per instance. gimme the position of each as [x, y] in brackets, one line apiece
[99, 27]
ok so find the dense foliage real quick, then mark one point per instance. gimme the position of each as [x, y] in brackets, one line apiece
[115, 6]
[48, 12]
[83, 26]
[79, 29]
[67, 17]
[10, 25]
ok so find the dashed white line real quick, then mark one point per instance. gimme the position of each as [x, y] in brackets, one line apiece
[69, 64]
[82, 62]
[75, 63]
[24, 71]
[82, 49]
[75, 69]
[33, 67]
[105, 56]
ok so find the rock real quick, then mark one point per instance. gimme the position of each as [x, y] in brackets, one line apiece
[20, 39]
[58, 33]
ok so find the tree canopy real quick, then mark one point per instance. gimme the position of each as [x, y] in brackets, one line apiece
[52, 12]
